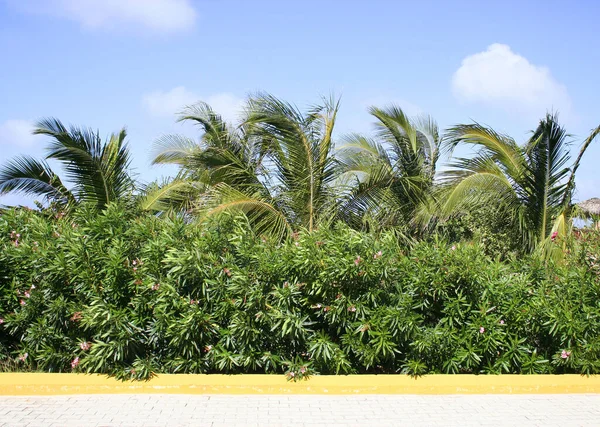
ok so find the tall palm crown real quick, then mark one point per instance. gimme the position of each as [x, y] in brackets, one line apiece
[275, 167]
[389, 177]
[224, 156]
[98, 170]
[534, 181]
[300, 155]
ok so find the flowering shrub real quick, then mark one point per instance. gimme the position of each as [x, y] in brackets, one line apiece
[132, 295]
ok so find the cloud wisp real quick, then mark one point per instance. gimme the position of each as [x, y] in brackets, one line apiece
[16, 133]
[160, 16]
[169, 103]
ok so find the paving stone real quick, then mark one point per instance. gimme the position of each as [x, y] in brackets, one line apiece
[306, 410]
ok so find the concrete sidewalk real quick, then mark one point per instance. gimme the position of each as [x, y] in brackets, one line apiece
[301, 410]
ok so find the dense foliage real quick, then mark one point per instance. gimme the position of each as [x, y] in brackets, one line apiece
[274, 250]
[131, 294]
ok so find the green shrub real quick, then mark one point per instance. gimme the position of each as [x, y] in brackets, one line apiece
[131, 295]
[493, 227]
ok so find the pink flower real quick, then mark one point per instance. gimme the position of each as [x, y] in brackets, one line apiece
[296, 243]
[85, 345]
[481, 330]
[357, 260]
[192, 301]
[302, 370]
[227, 272]
[16, 243]
[352, 309]
[453, 247]
[377, 255]
[27, 294]
[134, 262]
[208, 348]
[76, 316]
[75, 363]
[1, 320]
[318, 305]
[501, 322]
[565, 354]
[155, 286]
[292, 374]
[554, 235]
[22, 302]
[134, 268]
[23, 357]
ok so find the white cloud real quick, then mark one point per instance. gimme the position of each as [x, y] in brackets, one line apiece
[155, 15]
[498, 77]
[16, 133]
[169, 103]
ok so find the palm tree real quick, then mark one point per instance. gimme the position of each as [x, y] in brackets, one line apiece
[224, 156]
[97, 170]
[276, 167]
[300, 156]
[533, 183]
[388, 178]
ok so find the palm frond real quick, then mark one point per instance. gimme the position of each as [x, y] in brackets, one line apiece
[114, 164]
[357, 147]
[393, 173]
[429, 140]
[178, 194]
[501, 147]
[98, 170]
[301, 146]
[547, 171]
[262, 213]
[468, 188]
[173, 149]
[29, 176]
[369, 195]
[395, 127]
[570, 186]
[216, 132]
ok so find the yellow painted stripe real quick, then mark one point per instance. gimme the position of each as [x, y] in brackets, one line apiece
[56, 384]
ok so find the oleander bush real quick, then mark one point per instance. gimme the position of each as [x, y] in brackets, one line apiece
[130, 294]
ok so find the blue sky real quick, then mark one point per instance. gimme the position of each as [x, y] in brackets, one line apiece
[134, 63]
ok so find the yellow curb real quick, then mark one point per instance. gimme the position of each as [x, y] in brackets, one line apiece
[57, 384]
